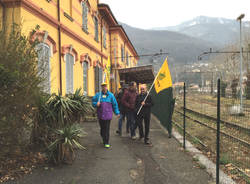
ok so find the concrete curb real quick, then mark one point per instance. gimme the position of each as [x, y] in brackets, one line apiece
[210, 166]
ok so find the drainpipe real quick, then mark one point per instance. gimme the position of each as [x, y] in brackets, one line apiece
[111, 60]
[59, 45]
[101, 44]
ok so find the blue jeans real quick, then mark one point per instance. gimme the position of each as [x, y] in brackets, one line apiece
[122, 117]
[131, 122]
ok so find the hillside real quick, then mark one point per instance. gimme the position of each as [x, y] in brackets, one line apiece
[220, 31]
[181, 48]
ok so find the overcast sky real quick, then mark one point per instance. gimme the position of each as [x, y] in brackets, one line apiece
[161, 13]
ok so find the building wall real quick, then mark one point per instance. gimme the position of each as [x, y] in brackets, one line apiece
[117, 42]
[84, 46]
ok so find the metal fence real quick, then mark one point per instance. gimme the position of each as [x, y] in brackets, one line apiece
[198, 111]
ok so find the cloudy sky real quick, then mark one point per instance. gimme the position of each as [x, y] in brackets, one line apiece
[160, 13]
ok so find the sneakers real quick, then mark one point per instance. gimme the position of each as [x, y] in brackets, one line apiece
[133, 137]
[107, 145]
[118, 132]
[141, 138]
[147, 141]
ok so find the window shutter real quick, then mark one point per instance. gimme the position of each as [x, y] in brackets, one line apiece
[122, 53]
[85, 78]
[100, 77]
[85, 16]
[69, 73]
[47, 69]
[96, 29]
[72, 74]
[44, 65]
[104, 37]
[127, 58]
[97, 79]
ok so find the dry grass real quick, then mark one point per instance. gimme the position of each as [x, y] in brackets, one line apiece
[232, 152]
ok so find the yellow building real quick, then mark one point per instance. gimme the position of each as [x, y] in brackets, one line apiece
[81, 43]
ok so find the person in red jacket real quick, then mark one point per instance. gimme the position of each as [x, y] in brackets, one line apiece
[128, 101]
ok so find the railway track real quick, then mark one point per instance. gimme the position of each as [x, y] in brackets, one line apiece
[206, 147]
[226, 123]
[246, 107]
[243, 142]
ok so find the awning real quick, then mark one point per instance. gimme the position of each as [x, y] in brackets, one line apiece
[139, 74]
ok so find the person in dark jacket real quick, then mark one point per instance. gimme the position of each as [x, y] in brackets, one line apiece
[122, 109]
[144, 114]
[105, 103]
[128, 100]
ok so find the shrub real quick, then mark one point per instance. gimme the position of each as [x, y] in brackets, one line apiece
[19, 87]
[62, 149]
[55, 124]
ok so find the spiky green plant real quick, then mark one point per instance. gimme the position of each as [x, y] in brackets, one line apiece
[62, 149]
[43, 120]
[83, 106]
[63, 107]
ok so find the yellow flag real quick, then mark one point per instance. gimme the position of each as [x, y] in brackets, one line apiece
[163, 80]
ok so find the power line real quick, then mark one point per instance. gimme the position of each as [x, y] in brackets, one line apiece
[146, 55]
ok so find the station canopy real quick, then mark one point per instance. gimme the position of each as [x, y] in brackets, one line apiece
[139, 74]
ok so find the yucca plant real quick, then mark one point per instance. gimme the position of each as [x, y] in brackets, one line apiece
[43, 120]
[84, 105]
[63, 107]
[62, 149]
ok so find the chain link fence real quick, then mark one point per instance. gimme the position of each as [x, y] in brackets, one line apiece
[201, 120]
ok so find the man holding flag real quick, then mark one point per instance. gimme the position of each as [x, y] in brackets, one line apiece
[162, 95]
[144, 114]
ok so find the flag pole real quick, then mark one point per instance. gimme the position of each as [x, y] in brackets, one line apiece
[150, 88]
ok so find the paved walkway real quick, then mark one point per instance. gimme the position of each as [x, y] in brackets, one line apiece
[127, 162]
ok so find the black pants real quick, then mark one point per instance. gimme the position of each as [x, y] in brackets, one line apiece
[105, 126]
[139, 120]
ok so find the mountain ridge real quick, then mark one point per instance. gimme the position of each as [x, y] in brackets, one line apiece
[182, 49]
[218, 30]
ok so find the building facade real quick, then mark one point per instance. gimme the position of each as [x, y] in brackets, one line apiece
[80, 42]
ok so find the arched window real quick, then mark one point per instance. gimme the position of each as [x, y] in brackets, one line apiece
[85, 77]
[44, 54]
[69, 58]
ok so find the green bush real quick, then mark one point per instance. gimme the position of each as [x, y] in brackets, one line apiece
[62, 149]
[55, 124]
[19, 87]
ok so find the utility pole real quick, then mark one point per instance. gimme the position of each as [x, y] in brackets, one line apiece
[239, 19]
